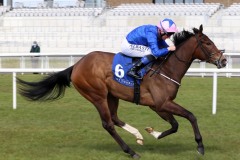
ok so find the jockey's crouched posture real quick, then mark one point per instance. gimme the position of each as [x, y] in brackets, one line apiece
[148, 42]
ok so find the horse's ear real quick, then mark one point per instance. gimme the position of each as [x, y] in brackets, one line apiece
[201, 28]
[195, 30]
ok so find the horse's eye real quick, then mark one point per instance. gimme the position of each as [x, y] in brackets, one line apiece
[208, 43]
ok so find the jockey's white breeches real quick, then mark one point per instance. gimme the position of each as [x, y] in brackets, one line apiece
[134, 50]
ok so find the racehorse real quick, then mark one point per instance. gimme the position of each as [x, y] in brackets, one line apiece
[92, 77]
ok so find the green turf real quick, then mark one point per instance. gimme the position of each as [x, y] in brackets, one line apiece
[70, 128]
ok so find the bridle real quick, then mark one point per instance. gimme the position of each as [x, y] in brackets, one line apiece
[208, 54]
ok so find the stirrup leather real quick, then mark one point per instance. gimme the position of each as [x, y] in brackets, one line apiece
[134, 74]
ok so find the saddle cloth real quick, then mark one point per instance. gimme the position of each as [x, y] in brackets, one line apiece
[121, 64]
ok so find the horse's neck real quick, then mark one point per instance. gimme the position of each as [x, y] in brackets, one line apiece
[177, 64]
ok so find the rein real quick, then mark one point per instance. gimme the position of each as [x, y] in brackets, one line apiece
[208, 54]
[159, 66]
[156, 71]
[187, 63]
[165, 58]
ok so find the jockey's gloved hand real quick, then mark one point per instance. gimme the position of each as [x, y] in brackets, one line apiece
[171, 48]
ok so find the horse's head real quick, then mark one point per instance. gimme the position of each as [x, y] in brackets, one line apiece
[207, 51]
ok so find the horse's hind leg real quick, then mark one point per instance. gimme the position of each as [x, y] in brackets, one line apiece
[108, 124]
[169, 118]
[113, 106]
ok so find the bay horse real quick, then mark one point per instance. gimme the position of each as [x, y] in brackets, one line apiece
[93, 78]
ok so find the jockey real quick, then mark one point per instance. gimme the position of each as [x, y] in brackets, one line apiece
[148, 42]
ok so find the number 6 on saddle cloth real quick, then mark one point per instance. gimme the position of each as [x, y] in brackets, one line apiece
[120, 66]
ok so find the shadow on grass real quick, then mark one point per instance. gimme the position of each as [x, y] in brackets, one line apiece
[156, 148]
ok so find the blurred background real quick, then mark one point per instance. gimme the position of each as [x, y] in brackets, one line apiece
[82, 26]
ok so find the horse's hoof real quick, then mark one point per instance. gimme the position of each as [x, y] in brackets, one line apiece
[149, 129]
[140, 141]
[136, 156]
[200, 150]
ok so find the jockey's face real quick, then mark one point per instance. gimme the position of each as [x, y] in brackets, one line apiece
[165, 36]
[162, 35]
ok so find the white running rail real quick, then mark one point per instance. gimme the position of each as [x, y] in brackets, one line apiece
[45, 69]
[215, 72]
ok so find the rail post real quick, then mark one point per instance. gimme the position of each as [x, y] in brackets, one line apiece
[214, 102]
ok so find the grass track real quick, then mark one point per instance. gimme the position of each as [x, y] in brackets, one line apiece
[70, 128]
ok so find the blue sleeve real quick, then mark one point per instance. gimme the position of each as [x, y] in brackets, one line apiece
[158, 48]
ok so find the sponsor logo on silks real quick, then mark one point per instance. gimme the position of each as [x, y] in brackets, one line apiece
[138, 48]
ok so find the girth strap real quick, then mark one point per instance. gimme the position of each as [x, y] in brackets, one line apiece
[136, 96]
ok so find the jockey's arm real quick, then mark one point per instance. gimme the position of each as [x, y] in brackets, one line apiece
[154, 46]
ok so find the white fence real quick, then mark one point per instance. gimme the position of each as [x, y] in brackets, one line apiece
[191, 70]
[45, 69]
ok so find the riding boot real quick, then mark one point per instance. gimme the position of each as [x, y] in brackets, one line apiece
[133, 72]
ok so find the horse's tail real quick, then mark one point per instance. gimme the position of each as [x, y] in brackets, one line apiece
[50, 88]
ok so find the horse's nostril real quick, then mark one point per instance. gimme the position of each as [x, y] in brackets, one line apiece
[224, 62]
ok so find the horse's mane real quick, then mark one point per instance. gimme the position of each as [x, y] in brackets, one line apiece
[182, 36]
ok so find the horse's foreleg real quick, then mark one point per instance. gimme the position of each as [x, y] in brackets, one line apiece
[108, 124]
[113, 106]
[173, 108]
[167, 117]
